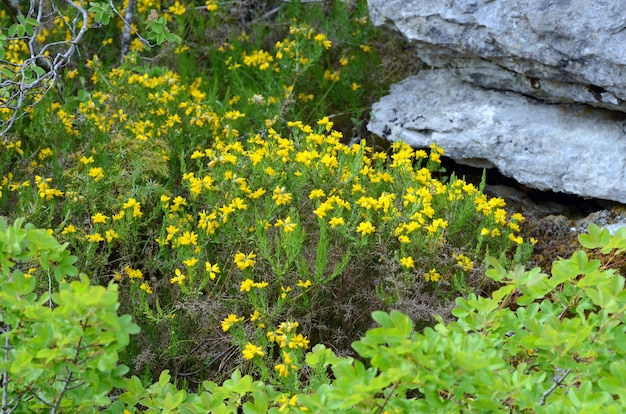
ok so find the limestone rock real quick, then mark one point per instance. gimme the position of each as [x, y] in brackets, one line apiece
[568, 148]
[559, 51]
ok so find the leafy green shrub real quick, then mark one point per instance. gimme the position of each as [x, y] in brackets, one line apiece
[61, 343]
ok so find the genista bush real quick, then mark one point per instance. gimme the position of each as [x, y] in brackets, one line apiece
[215, 184]
[540, 343]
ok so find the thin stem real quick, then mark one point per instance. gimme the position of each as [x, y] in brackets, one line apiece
[553, 387]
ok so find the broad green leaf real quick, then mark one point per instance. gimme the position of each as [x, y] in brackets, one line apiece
[595, 237]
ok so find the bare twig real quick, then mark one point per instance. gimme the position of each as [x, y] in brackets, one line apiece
[554, 386]
[23, 90]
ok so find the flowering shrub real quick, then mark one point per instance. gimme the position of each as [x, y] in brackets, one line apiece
[228, 206]
[211, 188]
[540, 343]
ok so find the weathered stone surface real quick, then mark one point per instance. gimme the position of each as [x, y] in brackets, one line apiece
[556, 50]
[568, 148]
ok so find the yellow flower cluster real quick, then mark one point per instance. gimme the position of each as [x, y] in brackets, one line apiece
[248, 284]
[244, 261]
[286, 338]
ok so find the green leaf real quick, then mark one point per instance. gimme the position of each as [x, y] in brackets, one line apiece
[595, 237]
[172, 401]
[134, 391]
[321, 355]
[259, 405]
[21, 361]
[13, 30]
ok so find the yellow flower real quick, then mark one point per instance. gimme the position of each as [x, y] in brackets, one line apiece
[257, 194]
[181, 49]
[178, 202]
[133, 273]
[357, 188]
[177, 9]
[324, 208]
[316, 193]
[436, 225]
[96, 173]
[282, 370]
[299, 341]
[464, 262]
[111, 235]
[211, 5]
[84, 160]
[281, 196]
[407, 262]
[99, 218]
[179, 278]
[230, 321]
[514, 226]
[246, 285]
[239, 204]
[188, 237]
[304, 285]
[336, 221]
[285, 291]
[256, 315]
[146, 288]
[326, 123]
[432, 276]
[365, 228]
[131, 203]
[69, 229]
[322, 40]
[244, 261]
[252, 350]
[517, 217]
[190, 262]
[286, 224]
[94, 238]
[212, 270]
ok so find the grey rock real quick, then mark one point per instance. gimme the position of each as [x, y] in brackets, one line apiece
[612, 220]
[567, 148]
[560, 51]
